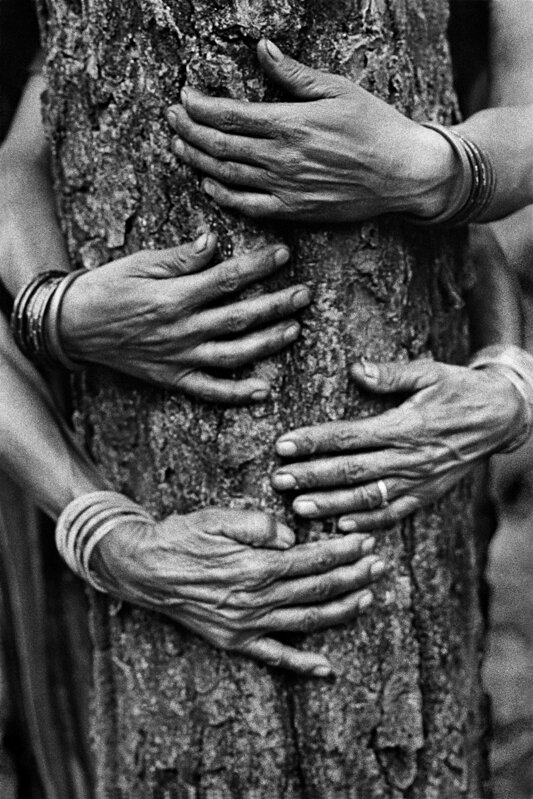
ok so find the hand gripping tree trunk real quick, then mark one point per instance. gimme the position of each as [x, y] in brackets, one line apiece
[171, 716]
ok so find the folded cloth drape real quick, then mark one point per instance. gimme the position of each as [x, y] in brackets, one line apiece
[44, 664]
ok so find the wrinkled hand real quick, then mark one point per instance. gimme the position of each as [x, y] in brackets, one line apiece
[408, 456]
[234, 577]
[151, 315]
[338, 154]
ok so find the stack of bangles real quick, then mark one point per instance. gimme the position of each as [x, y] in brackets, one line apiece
[478, 182]
[36, 315]
[517, 365]
[86, 520]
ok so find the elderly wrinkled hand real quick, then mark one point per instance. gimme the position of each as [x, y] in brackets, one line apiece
[162, 316]
[337, 154]
[373, 472]
[234, 577]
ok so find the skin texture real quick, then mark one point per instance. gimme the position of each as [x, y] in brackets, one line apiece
[453, 418]
[146, 314]
[339, 153]
[314, 159]
[160, 316]
[234, 577]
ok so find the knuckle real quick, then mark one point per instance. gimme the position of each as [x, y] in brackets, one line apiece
[325, 559]
[235, 322]
[311, 620]
[229, 119]
[229, 172]
[229, 279]
[219, 145]
[274, 659]
[226, 359]
[351, 471]
[368, 497]
[321, 589]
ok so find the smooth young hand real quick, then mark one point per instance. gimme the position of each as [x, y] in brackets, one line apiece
[162, 316]
[338, 154]
[235, 578]
[378, 470]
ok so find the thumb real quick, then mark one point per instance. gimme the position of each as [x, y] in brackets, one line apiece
[185, 259]
[252, 527]
[296, 78]
[392, 377]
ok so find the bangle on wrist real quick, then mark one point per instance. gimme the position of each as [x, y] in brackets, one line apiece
[478, 183]
[517, 365]
[36, 315]
[85, 521]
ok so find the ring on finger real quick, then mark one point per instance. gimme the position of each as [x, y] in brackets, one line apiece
[383, 492]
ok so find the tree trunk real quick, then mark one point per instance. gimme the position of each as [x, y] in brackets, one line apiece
[171, 716]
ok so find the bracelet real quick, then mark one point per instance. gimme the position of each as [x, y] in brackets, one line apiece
[36, 315]
[517, 365]
[85, 521]
[478, 182]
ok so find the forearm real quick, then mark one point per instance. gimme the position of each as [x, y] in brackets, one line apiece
[494, 301]
[36, 447]
[504, 134]
[504, 130]
[30, 237]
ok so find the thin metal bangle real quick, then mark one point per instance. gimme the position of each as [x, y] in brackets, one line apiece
[52, 334]
[20, 317]
[465, 190]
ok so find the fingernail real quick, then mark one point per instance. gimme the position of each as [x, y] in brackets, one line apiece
[286, 448]
[273, 51]
[177, 146]
[365, 600]
[201, 243]
[184, 95]
[301, 298]
[378, 569]
[291, 333]
[348, 525]
[370, 369]
[208, 187]
[322, 671]
[281, 256]
[284, 481]
[368, 545]
[305, 507]
[260, 395]
[172, 116]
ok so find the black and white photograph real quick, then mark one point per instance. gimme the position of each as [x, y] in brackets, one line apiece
[266, 399]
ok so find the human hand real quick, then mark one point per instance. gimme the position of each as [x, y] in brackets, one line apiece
[234, 577]
[377, 470]
[337, 154]
[151, 315]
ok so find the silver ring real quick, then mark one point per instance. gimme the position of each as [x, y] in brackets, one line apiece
[384, 494]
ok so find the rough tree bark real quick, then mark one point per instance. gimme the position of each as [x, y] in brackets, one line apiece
[171, 717]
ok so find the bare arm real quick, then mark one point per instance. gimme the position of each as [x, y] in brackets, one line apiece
[340, 153]
[30, 237]
[36, 447]
[504, 248]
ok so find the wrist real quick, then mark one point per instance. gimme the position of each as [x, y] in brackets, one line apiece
[86, 523]
[516, 366]
[437, 174]
[75, 309]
